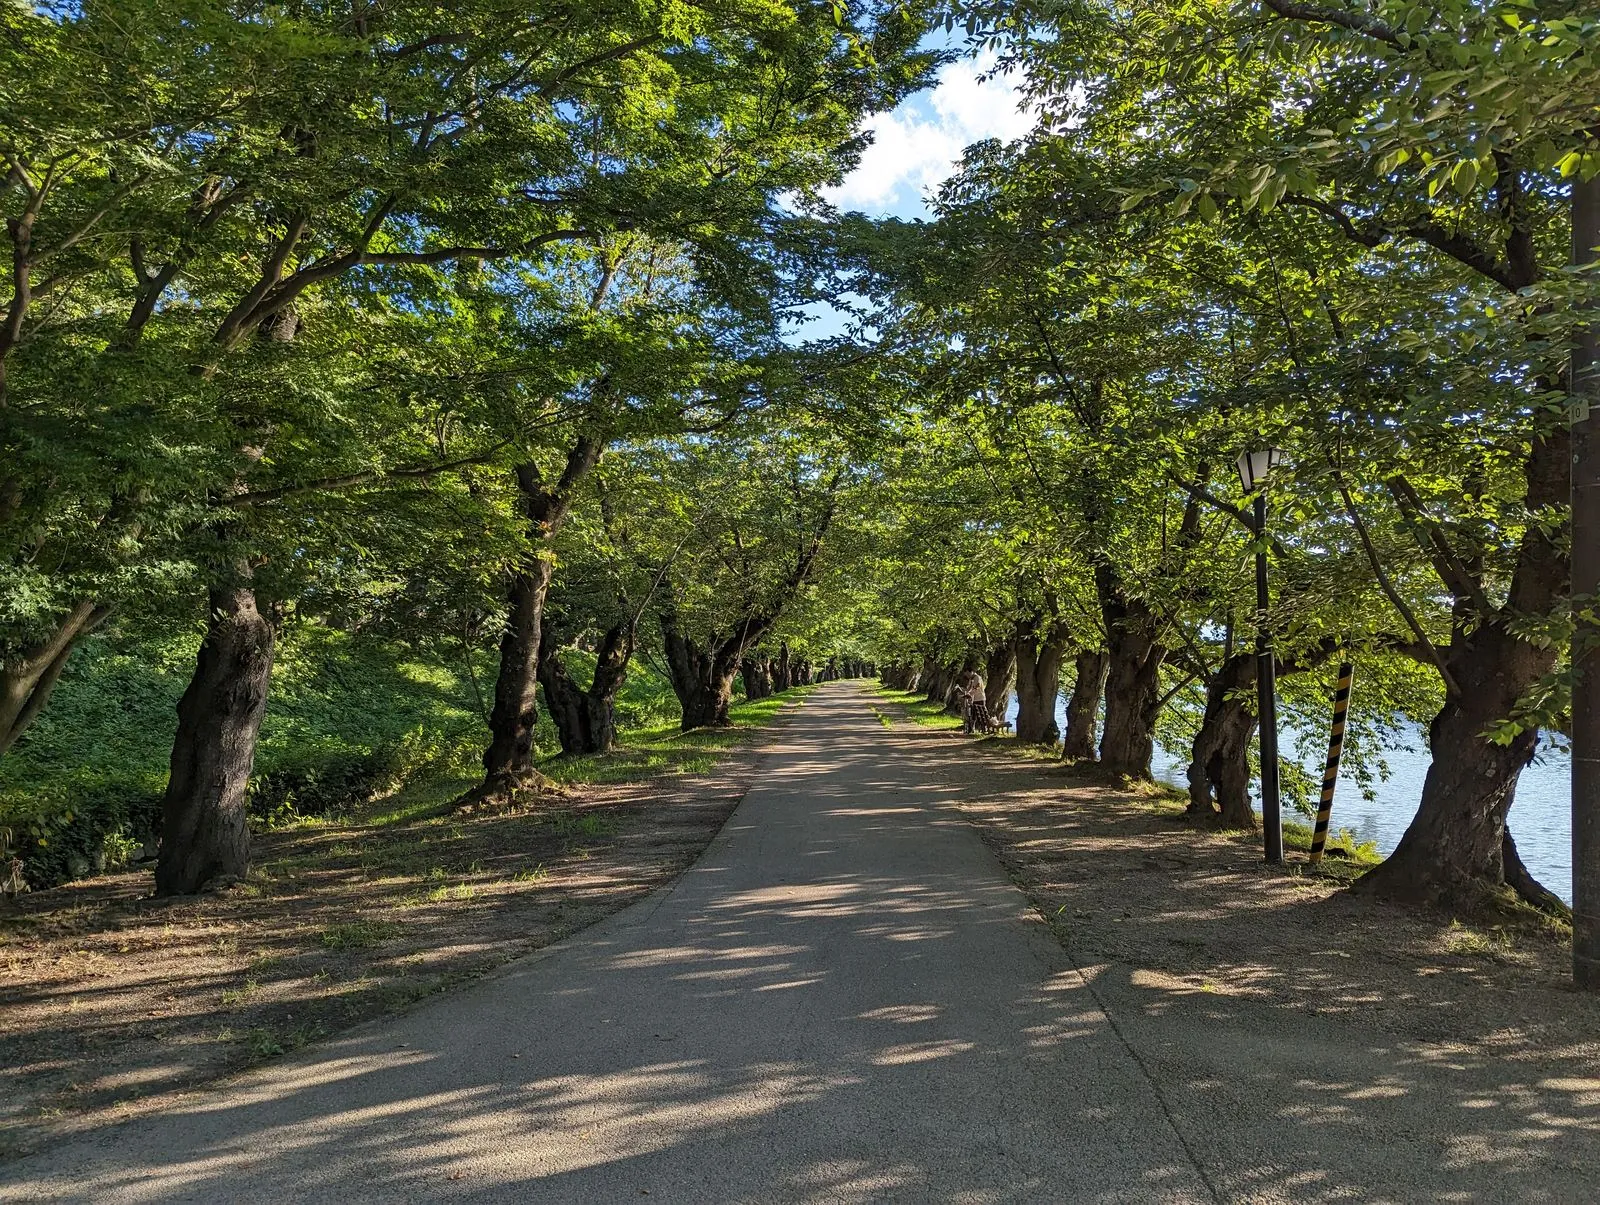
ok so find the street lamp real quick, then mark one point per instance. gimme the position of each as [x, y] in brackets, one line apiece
[1254, 470]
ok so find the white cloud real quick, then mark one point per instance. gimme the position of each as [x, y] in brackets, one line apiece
[915, 147]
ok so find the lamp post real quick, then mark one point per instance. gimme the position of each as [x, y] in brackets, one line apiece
[1254, 469]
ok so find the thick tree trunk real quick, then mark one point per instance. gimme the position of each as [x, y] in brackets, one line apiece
[586, 720]
[1083, 707]
[509, 756]
[941, 683]
[1452, 853]
[28, 676]
[954, 704]
[1039, 657]
[508, 761]
[784, 678]
[757, 685]
[1219, 767]
[205, 836]
[1133, 679]
[563, 698]
[702, 678]
[999, 676]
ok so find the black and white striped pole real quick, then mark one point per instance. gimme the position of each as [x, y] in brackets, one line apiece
[1330, 772]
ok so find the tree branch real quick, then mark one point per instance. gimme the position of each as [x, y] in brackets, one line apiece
[1355, 22]
[1392, 594]
[1457, 578]
[410, 472]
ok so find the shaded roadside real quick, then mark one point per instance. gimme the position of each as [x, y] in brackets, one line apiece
[113, 1003]
[1310, 1045]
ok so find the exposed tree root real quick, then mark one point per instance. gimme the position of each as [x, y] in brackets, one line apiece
[508, 791]
[1405, 882]
[1520, 879]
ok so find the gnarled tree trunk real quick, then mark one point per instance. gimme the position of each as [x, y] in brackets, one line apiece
[953, 703]
[1083, 707]
[1219, 766]
[702, 676]
[1453, 852]
[516, 701]
[1039, 655]
[586, 720]
[757, 685]
[999, 676]
[205, 834]
[1133, 678]
[508, 761]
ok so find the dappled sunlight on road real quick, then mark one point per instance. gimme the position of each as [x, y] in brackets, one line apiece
[845, 1000]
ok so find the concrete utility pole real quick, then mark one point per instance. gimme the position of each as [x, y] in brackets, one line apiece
[1585, 390]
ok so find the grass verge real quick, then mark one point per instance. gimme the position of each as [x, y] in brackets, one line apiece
[917, 708]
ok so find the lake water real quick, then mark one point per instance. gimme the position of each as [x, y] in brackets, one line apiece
[1541, 818]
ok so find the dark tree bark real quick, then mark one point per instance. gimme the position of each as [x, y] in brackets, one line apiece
[205, 835]
[999, 676]
[757, 685]
[702, 675]
[783, 678]
[516, 705]
[508, 761]
[1219, 766]
[1133, 678]
[1083, 707]
[1453, 852]
[940, 684]
[28, 677]
[586, 719]
[1219, 763]
[953, 703]
[1040, 647]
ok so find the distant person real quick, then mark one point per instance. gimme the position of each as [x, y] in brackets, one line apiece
[974, 706]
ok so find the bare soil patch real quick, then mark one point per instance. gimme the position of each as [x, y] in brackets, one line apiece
[113, 1003]
[1124, 882]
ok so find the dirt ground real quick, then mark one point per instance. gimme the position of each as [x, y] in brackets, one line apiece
[1125, 882]
[113, 1003]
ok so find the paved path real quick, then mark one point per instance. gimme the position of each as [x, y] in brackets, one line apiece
[844, 1000]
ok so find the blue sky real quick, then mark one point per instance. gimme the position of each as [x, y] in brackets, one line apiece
[916, 146]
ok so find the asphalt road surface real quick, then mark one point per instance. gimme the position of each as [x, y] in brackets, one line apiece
[844, 1000]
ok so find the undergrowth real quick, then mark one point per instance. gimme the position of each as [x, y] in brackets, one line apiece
[354, 725]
